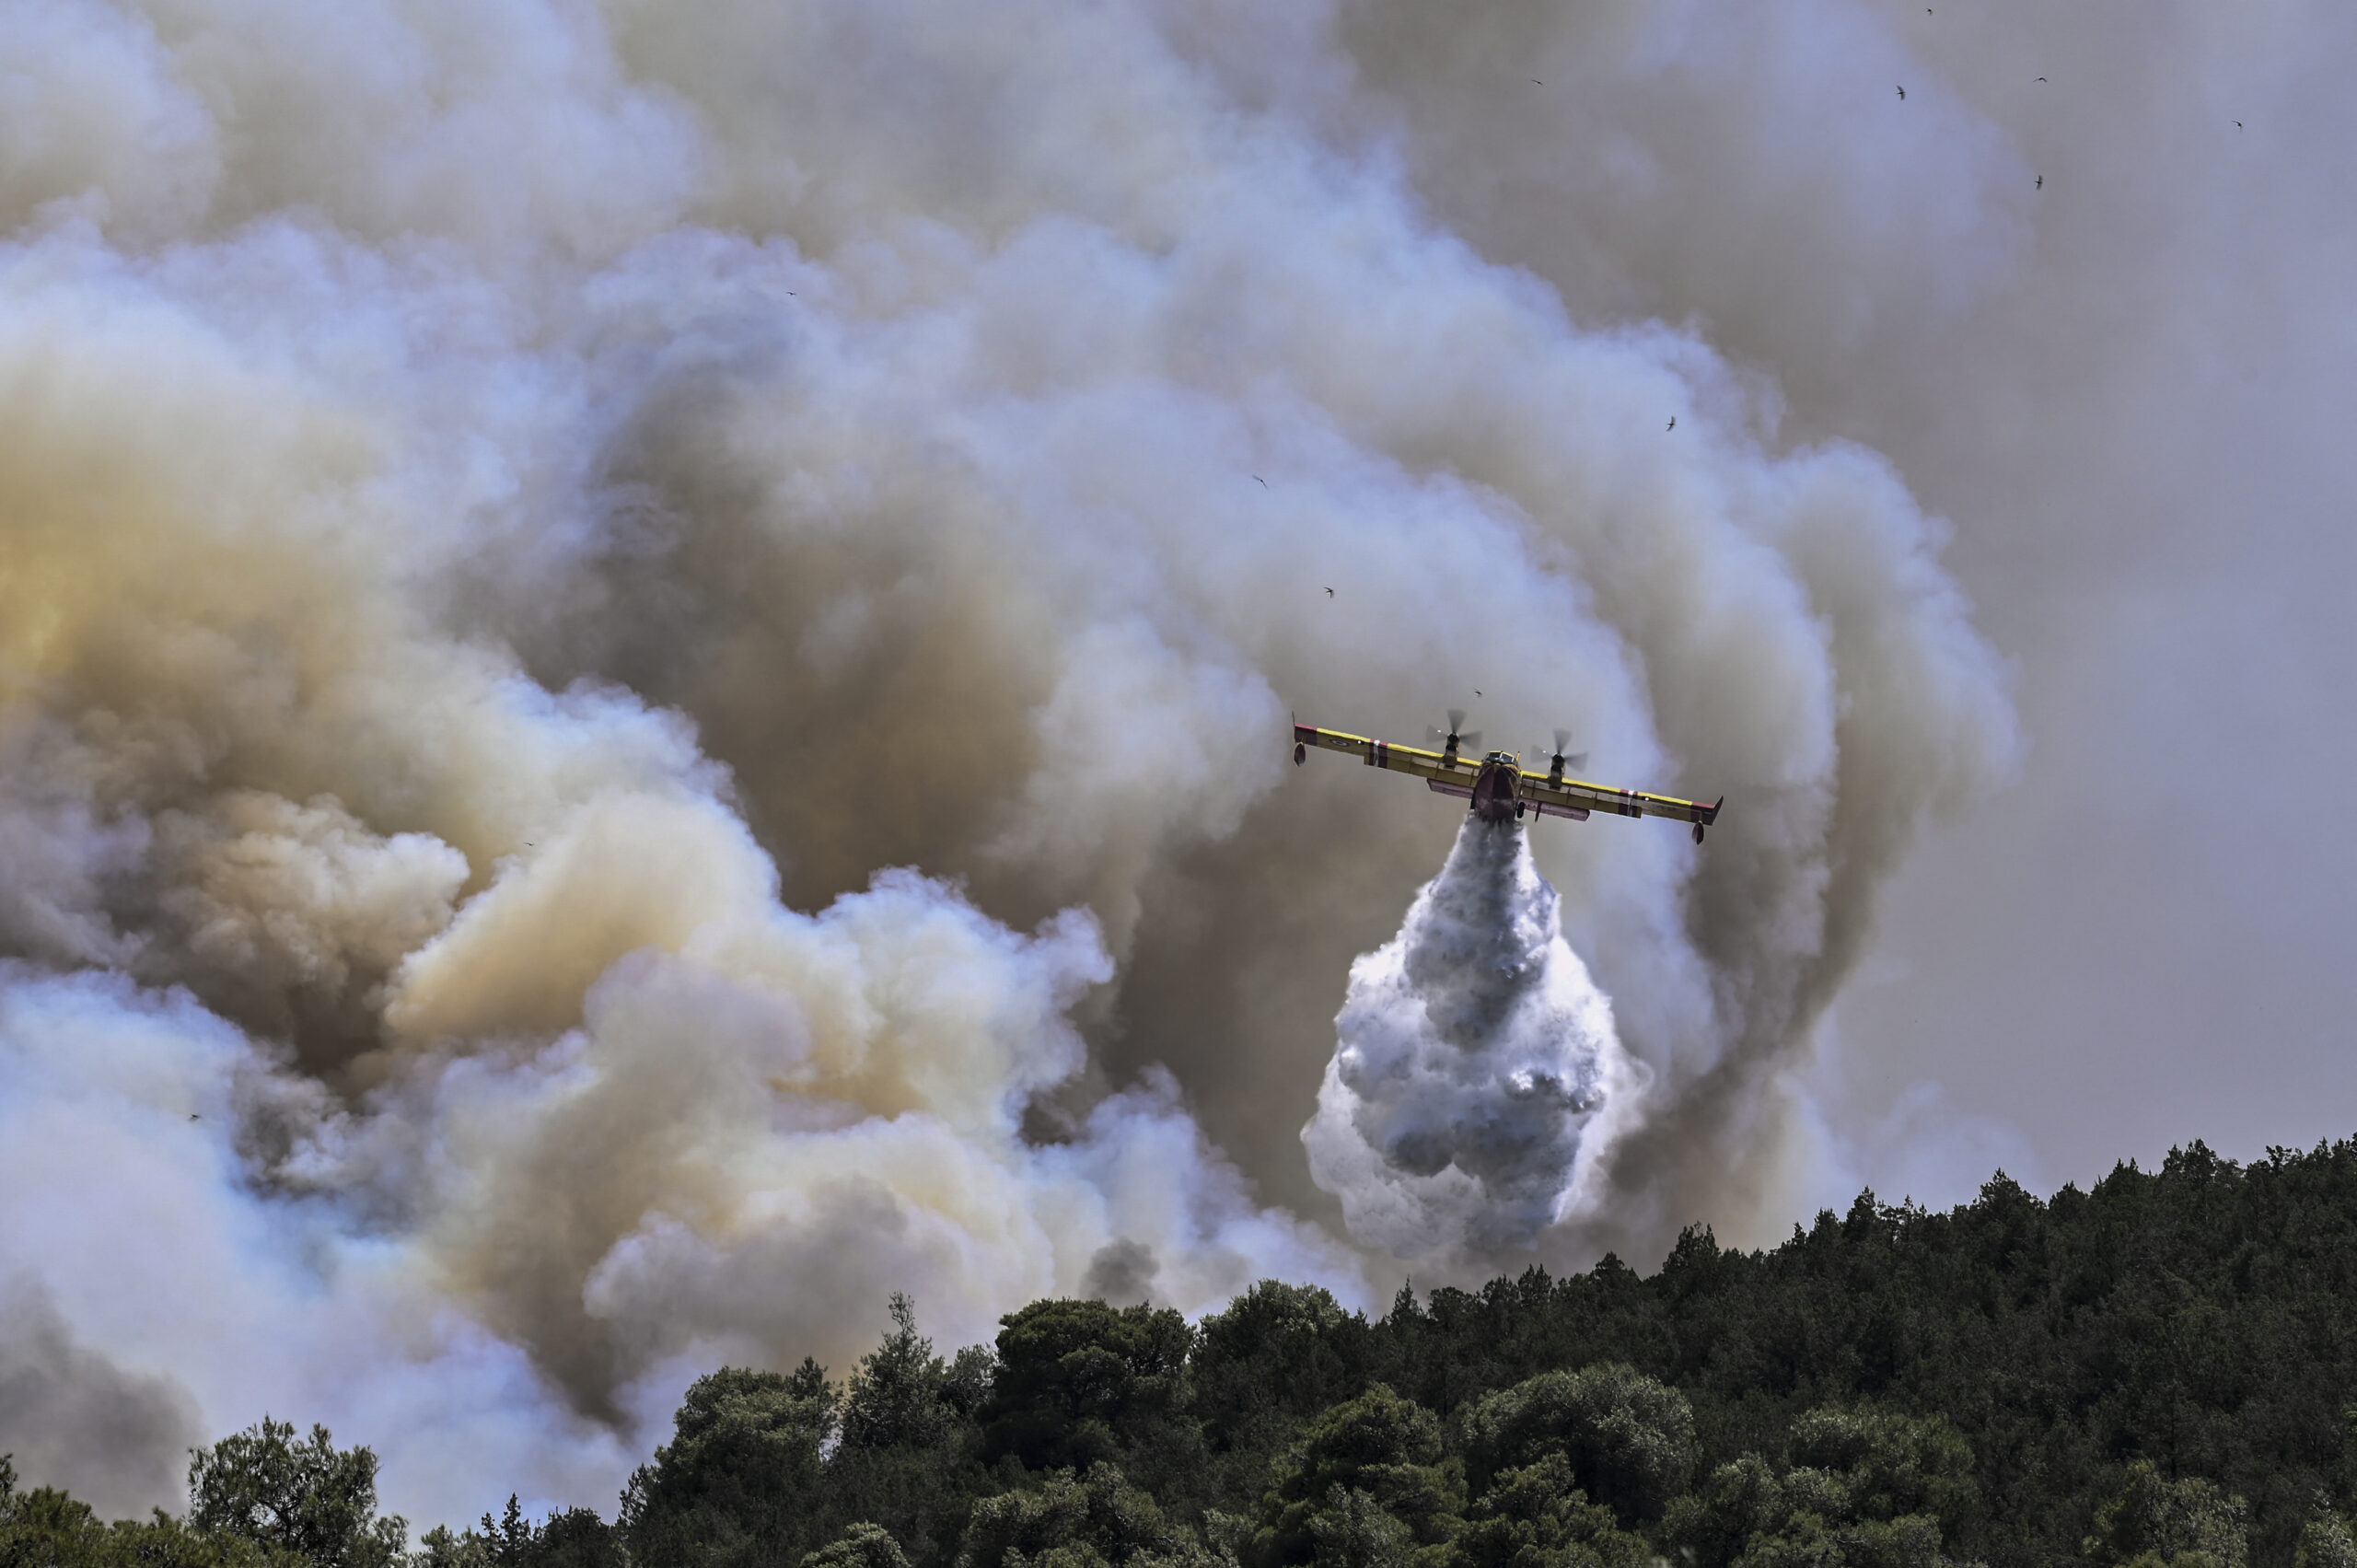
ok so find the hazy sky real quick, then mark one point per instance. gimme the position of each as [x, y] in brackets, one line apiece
[644, 657]
[2141, 440]
[2136, 421]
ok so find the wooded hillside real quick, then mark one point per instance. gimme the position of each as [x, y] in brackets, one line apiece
[2160, 1373]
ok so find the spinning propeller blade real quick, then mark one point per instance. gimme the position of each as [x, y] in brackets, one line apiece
[1558, 761]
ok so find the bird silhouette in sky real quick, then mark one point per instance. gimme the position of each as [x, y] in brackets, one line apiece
[1673, 421]
[2041, 78]
[1264, 484]
[1329, 593]
[2238, 124]
[1902, 95]
[2041, 183]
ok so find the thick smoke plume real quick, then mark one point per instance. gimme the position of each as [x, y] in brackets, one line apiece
[643, 656]
[1477, 1062]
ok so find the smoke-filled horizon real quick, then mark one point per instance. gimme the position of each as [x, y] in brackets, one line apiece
[645, 651]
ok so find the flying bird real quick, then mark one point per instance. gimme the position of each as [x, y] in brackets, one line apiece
[1264, 484]
[2041, 183]
[1536, 83]
[1329, 593]
[1673, 421]
[1902, 95]
[2238, 124]
[2041, 78]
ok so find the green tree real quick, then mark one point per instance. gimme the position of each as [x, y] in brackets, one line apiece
[1078, 1382]
[1537, 1518]
[1380, 1445]
[1277, 1356]
[438, 1548]
[741, 1480]
[861, 1546]
[1353, 1530]
[577, 1538]
[2153, 1522]
[1867, 1488]
[1629, 1438]
[898, 1395]
[1097, 1519]
[1892, 1464]
[48, 1528]
[2327, 1540]
[308, 1497]
[908, 1461]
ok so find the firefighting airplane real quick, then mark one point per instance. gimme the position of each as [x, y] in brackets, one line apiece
[1499, 786]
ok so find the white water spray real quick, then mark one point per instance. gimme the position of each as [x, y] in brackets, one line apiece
[1478, 1072]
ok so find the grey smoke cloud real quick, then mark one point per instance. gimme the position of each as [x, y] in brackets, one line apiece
[641, 670]
[114, 1438]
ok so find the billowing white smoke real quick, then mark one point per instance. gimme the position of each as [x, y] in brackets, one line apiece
[642, 661]
[1477, 1066]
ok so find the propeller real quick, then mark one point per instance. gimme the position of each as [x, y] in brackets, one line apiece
[1457, 737]
[1561, 760]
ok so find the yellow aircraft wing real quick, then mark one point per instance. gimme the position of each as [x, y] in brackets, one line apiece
[1577, 795]
[1451, 773]
[1383, 754]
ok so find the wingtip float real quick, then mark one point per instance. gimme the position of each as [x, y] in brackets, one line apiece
[1498, 787]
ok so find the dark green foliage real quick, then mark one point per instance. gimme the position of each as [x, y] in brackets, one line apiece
[2158, 1373]
[47, 1528]
[576, 1538]
[2158, 1523]
[909, 1460]
[1892, 1464]
[2327, 1542]
[1376, 1454]
[1870, 1488]
[1080, 1522]
[740, 1479]
[1629, 1439]
[861, 1546]
[2197, 1316]
[897, 1398]
[765, 1468]
[438, 1548]
[307, 1498]
[1353, 1530]
[1536, 1517]
[1277, 1356]
[1079, 1382]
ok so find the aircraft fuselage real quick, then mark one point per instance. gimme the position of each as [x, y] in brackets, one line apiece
[1497, 791]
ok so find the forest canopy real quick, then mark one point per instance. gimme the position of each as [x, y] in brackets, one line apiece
[2157, 1373]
